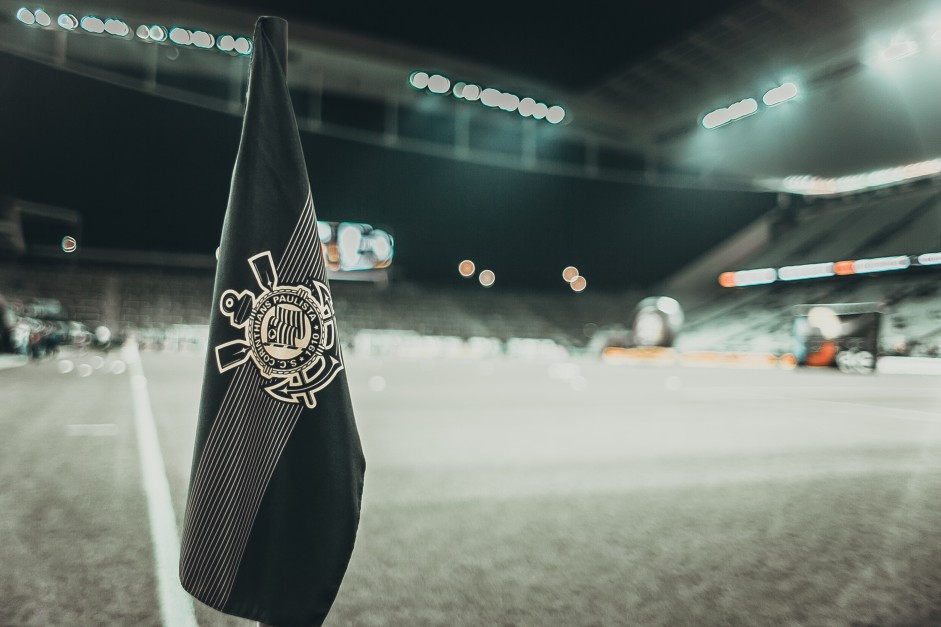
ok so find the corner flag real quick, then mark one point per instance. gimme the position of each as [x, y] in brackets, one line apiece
[277, 477]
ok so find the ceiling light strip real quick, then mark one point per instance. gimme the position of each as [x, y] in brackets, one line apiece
[491, 97]
[235, 45]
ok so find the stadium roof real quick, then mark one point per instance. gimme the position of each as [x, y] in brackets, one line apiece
[635, 80]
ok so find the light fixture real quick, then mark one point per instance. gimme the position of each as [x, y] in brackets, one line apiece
[783, 93]
[67, 21]
[820, 186]
[25, 16]
[487, 96]
[899, 50]
[42, 18]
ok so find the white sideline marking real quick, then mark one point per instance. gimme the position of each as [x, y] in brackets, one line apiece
[176, 606]
[11, 361]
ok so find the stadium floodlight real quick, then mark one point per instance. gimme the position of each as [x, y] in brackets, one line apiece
[225, 43]
[158, 33]
[418, 79]
[438, 84]
[116, 27]
[202, 39]
[471, 92]
[143, 32]
[92, 24]
[243, 45]
[899, 50]
[783, 93]
[67, 21]
[490, 97]
[180, 36]
[805, 271]
[929, 259]
[42, 18]
[509, 102]
[555, 114]
[717, 118]
[743, 108]
[526, 107]
[25, 16]
[735, 111]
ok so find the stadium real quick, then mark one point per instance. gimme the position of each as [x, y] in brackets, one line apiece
[639, 307]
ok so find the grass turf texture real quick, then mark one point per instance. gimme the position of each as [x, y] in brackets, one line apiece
[499, 494]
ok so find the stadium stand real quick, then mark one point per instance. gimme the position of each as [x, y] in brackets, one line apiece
[170, 304]
[160, 303]
[900, 221]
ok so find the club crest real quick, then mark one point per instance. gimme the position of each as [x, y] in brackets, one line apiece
[290, 334]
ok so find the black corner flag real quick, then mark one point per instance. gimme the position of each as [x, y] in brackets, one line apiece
[277, 477]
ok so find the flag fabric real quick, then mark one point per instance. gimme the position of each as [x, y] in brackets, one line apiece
[277, 476]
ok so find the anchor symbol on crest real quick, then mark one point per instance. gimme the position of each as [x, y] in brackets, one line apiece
[290, 334]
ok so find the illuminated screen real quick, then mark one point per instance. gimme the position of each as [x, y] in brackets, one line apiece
[836, 336]
[352, 246]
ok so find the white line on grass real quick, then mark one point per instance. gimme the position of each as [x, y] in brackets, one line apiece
[176, 607]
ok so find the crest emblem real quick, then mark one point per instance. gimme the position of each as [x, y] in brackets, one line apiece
[290, 334]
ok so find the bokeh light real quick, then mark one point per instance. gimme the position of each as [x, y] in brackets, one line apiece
[470, 92]
[92, 24]
[570, 273]
[202, 39]
[466, 268]
[418, 80]
[555, 114]
[243, 45]
[776, 96]
[25, 16]
[42, 18]
[226, 43]
[579, 284]
[180, 36]
[438, 84]
[116, 27]
[69, 244]
[67, 21]
[487, 278]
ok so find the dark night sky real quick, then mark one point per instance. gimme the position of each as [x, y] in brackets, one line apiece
[158, 179]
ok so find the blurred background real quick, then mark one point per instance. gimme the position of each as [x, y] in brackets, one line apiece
[641, 303]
